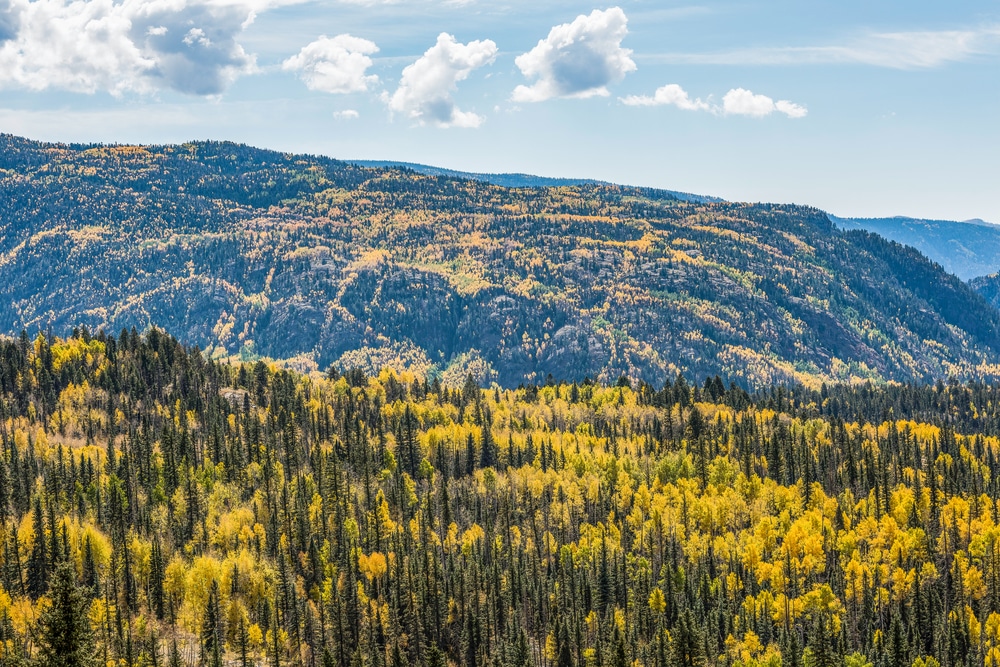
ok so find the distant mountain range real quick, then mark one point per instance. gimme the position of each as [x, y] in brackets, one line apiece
[252, 252]
[967, 249]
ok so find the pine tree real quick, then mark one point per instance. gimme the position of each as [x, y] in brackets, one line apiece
[65, 638]
[823, 653]
[398, 659]
[89, 568]
[38, 560]
[565, 655]
[619, 658]
[520, 654]
[211, 632]
[155, 579]
[687, 642]
[175, 656]
[488, 449]
[243, 638]
[435, 658]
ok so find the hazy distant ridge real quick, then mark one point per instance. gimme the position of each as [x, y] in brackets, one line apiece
[967, 249]
[517, 180]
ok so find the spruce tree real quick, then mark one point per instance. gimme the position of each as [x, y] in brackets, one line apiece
[175, 656]
[65, 638]
[687, 643]
[520, 654]
[565, 657]
[89, 568]
[38, 560]
[435, 657]
[211, 633]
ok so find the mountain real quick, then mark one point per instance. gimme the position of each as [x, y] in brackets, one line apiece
[252, 252]
[988, 287]
[513, 180]
[967, 249]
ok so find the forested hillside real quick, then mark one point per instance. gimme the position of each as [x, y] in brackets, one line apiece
[160, 508]
[968, 249]
[514, 180]
[988, 287]
[255, 253]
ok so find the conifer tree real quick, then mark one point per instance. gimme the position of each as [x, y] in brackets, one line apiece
[175, 656]
[65, 638]
[565, 657]
[211, 632]
[38, 560]
[687, 642]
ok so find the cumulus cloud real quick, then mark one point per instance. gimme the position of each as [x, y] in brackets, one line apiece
[335, 65]
[737, 102]
[425, 90]
[346, 114]
[190, 46]
[578, 59]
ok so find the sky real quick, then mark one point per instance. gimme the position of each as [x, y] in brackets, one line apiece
[861, 108]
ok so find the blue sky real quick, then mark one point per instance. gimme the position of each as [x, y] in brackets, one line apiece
[860, 108]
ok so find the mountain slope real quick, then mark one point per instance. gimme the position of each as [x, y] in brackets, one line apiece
[967, 249]
[513, 180]
[988, 287]
[253, 252]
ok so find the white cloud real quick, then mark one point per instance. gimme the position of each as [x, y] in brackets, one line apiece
[742, 102]
[737, 102]
[424, 92]
[578, 59]
[125, 46]
[895, 50]
[791, 109]
[335, 65]
[346, 114]
[671, 94]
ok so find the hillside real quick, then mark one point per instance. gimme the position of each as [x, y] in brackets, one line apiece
[509, 180]
[967, 249]
[988, 287]
[157, 508]
[251, 252]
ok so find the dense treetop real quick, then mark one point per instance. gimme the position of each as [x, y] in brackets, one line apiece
[159, 507]
[256, 253]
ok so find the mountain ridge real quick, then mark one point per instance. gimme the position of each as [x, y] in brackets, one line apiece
[520, 180]
[959, 251]
[249, 252]
[969, 248]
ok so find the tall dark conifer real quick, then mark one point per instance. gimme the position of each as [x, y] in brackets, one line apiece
[65, 638]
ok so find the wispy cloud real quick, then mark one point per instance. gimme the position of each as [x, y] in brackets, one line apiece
[896, 50]
[737, 102]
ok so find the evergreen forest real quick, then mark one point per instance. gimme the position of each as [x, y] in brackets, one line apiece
[162, 508]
